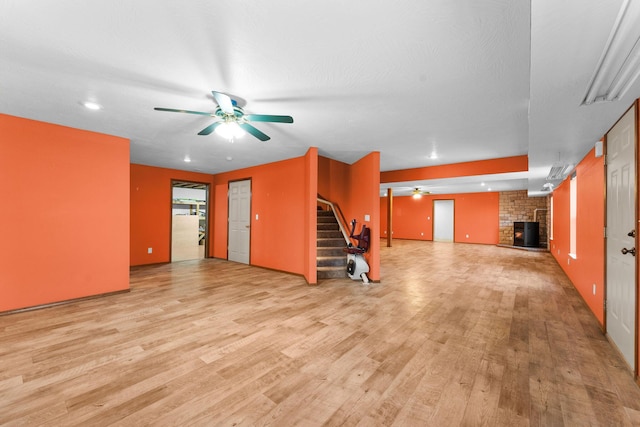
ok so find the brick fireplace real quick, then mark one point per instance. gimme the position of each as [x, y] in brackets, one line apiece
[516, 206]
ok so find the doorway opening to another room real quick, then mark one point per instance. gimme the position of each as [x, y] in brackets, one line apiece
[189, 220]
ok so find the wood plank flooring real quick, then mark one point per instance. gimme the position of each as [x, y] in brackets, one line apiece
[454, 334]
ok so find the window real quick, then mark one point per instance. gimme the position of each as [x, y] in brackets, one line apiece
[573, 211]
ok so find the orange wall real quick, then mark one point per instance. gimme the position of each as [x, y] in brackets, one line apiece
[311, 223]
[324, 177]
[280, 198]
[65, 216]
[151, 195]
[482, 167]
[334, 181]
[475, 215]
[588, 267]
[219, 221]
[364, 197]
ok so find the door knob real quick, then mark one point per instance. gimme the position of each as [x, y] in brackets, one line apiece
[631, 251]
[632, 233]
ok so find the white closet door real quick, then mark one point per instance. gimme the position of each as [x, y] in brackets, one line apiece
[443, 220]
[239, 221]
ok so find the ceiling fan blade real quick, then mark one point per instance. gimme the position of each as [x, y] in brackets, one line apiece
[224, 102]
[253, 131]
[210, 128]
[268, 118]
[173, 110]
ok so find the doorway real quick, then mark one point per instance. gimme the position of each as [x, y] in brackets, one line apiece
[621, 278]
[443, 220]
[239, 227]
[189, 220]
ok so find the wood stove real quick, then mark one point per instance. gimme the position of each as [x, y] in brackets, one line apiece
[526, 234]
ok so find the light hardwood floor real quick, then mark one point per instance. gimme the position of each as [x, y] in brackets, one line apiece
[454, 334]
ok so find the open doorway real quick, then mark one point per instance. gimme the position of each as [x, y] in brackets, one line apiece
[189, 220]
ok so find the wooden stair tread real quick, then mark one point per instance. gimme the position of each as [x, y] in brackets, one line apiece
[331, 261]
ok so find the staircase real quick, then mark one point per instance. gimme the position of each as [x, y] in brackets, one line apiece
[331, 260]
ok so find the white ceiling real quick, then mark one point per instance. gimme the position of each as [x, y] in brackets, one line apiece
[466, 79]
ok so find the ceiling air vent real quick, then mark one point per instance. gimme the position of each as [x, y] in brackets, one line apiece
[559, 172]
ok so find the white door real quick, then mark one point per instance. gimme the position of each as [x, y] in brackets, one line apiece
[239, 221]
[621, 268]
[443, 220]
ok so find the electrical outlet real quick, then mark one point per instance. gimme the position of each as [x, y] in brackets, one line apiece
[149, 250]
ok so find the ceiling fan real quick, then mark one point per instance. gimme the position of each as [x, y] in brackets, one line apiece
[233, 120]
[417, 193]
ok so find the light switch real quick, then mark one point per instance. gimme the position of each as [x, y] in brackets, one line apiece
[367, 217]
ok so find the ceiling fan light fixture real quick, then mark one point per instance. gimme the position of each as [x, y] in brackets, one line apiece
[417, 193]
[233, 121]
[230, 130]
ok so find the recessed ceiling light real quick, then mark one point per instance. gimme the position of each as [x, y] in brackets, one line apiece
[187, 159]
[92, 105]
[229, 158]
[482, 184]
[433, 155]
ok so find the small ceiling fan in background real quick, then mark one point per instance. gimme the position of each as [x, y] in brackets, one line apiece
[233, 120]
[417, 193]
